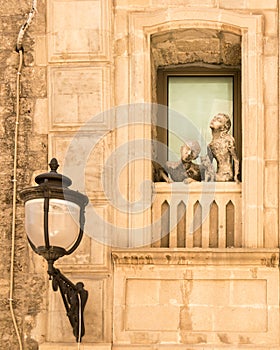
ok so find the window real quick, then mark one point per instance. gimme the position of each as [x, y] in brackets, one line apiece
[194, 96]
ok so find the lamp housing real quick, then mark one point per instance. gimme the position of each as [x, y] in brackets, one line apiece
[54, 214]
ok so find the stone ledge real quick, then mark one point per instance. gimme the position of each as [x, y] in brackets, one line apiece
[68, 346]
[196, 347]
[198, 187]
[197, 256]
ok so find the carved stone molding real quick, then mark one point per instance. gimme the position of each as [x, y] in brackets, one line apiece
[222, 257]
[68, 346]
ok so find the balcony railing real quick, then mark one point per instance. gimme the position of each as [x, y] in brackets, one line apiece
[198, 215]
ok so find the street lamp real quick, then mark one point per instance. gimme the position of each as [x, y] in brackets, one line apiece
[54, 224]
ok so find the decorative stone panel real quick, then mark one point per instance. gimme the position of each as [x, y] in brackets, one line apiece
[196, 297]
[217, 305]
[81, 157]
[79, 30]
[77, 95]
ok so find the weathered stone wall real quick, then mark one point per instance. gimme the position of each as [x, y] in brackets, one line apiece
[29, 287]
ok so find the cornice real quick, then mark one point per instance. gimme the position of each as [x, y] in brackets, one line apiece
[215, 257]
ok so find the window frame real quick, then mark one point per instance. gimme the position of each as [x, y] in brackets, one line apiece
[163, 73]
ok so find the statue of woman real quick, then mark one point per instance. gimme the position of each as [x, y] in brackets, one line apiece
[222, 147]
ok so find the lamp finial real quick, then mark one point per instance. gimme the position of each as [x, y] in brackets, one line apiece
[54, 165]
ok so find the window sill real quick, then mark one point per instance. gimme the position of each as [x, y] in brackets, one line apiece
[162, 187]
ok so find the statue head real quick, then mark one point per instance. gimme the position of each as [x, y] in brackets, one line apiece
[190, 151]
[221, 122]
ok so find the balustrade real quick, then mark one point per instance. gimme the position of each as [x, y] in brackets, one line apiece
[197, 215]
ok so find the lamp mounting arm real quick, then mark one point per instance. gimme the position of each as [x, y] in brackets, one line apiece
[74, 298]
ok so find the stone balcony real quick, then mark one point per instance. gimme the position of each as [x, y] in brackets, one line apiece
[197, 215]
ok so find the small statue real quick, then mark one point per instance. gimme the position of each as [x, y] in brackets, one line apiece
[159, 174]
[185, 170]
[222, 148]
[207, 170]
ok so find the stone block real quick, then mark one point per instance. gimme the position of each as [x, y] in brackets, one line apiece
[142, 292]
[121, 75]
[270, 22]
[205, 292]
[151, 292]
[231, 319]
[271, 132]
[94, 167]
[271, 184]
[228, 4]
[170, 292]
[260, 4]
[41, 50]
[270, 80]
[66, 108]
[207, 310]
[73, 152]
[271, 228]
[196, 318]
[152, 318]
[81, 33]
[248, 292]
[270, 45]
[132, 347]
[78, 95]
[189, 3]
[81, 256]
[133, 3]
[98, 228]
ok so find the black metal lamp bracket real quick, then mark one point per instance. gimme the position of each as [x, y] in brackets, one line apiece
[74, 298]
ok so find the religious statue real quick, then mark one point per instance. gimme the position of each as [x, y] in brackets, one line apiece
[222, 148]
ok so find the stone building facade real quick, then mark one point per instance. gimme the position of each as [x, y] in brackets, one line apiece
[88, 96]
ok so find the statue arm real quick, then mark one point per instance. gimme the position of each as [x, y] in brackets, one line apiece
[232, 151]
[210, 154]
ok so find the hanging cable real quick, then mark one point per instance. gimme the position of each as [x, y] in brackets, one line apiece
[19, 49]
[24, 27]
[80, 321]
[14, 201]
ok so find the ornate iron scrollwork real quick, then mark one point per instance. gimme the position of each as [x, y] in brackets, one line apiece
[74, 297]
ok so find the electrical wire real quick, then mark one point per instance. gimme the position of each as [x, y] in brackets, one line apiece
[80, 321]
[14, 201]
[14, 180]
[24, 27]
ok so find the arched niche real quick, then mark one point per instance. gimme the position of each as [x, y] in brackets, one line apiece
[143, 26]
